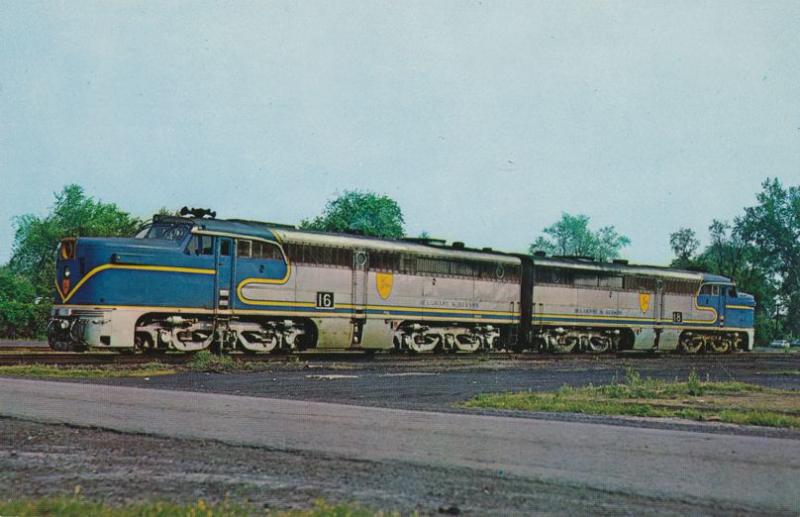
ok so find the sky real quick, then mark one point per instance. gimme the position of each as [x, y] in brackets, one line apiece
[484, 120]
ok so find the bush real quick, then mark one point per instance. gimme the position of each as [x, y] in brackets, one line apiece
[23, 320]
[20, 314]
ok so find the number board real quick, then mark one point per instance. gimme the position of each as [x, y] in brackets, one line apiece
[677, 317]
[325, 300]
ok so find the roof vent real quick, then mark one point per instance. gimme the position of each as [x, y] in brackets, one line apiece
[263, 223]
[425, 240]
[579, 258]
[458, 245]
[621, 262]
[539, 254]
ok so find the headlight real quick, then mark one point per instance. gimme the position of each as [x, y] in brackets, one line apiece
[66, 272]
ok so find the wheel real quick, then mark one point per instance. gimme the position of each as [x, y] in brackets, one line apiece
[599, 345]
[431, 343]
[692, 345]
[565, 346]
[721, 346]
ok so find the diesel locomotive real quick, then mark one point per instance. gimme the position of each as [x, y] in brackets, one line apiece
[194, 283]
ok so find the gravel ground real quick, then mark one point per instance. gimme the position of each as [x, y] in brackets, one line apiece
[38, 459]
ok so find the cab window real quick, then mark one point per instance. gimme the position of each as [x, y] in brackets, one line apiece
[258, 250]
[706, 289]
[732, 292]
[168, 232]
[200, 245]
[714, 290]
[244, 248]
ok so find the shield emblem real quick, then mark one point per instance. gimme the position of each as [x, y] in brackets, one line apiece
[644, 302]
[384, 282]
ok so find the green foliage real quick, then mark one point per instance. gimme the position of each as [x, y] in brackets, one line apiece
[773, 227]
[205, 361]
[85, 372]
[76, 506]
[20, 314]
[74, 214]
[28, 278]
[693, 385]
[166, 211]
[366, 212]
[684, 244]
[572, 236]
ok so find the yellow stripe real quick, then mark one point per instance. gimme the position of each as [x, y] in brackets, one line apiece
[139, 307]
[434, 309]
[282, 303]
[628, 325]
[345, 315]
[104, 267]
[703, 308]
[230, 311]
[742, 307]
[272, 281]
[610, 317]
[537, 316]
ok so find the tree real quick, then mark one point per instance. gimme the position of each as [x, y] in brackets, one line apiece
[730, 255]
[572, 236]
[74, 214]
[365, 212]
[166, 211]
[684, 244]
[773, 227]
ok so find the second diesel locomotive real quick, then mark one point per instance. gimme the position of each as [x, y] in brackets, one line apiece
[191, 283]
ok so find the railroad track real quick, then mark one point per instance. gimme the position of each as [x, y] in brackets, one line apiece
[25, 348]
[42, 355]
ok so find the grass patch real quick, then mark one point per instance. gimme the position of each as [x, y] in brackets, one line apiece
[89, 372]
[76, 506]
[205, 361]
[693, 399]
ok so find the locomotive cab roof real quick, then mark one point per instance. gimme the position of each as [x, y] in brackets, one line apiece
[233, 227]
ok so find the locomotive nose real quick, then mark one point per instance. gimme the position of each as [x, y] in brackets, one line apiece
[748, 299]
[66, 265]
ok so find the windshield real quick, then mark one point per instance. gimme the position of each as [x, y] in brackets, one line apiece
[167, 232]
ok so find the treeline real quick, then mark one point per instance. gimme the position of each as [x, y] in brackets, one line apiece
[760, 249]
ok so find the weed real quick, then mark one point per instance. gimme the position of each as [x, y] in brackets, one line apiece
[693, 384]
[205, 361]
